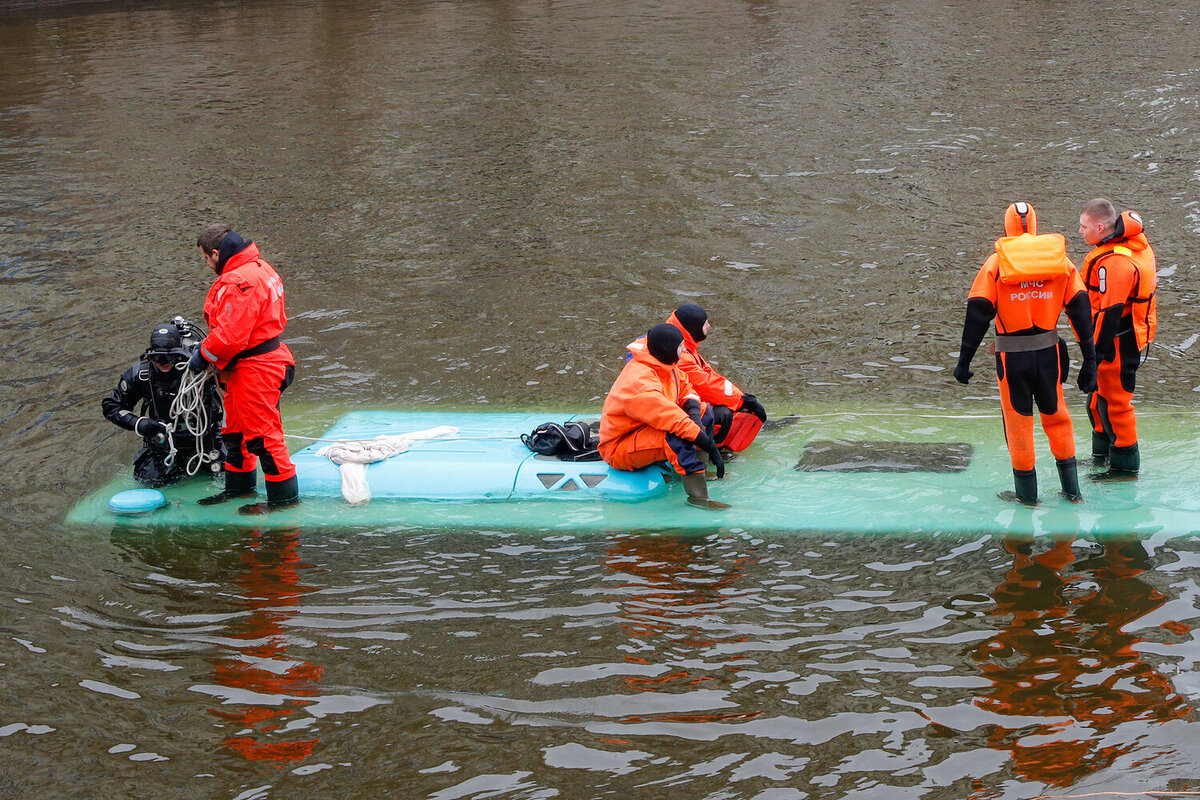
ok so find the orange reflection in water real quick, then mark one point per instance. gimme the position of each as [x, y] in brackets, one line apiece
[675, 585]
[270, 584]
[1064, 662]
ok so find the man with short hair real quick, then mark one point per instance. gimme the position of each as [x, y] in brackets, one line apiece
[1122, 282]
[245, 315]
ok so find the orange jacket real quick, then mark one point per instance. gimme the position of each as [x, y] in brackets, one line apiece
[244, 308]
[1121, 273]
[712, 386]
[1029, 281]
[647, 393]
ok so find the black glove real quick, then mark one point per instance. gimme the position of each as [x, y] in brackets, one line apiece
[750, 403]
[722, 419]
[692, 407]
[962, 373]
[197, 363]
[149, 428]
[706, 443]
[1106, 349]
[1087, 377]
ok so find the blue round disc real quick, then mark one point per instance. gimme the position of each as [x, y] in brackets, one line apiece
[136, 501]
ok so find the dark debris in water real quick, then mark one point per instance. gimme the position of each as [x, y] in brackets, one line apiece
[834, 456]
[775, 423]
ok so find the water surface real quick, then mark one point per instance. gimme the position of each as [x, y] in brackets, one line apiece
[475, 206]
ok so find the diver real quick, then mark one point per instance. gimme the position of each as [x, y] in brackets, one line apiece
[170, 449]
[1025, 286]
[652, 414]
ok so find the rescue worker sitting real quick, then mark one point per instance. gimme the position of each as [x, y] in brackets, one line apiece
[1025, 285]
[153, 382]
[712, 387]
[652, 414]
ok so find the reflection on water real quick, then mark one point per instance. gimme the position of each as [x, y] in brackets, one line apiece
[273, 686]
[669, 664]
[1066, 665]
[669, 588]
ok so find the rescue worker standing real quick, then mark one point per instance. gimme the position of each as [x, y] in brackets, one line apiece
[712, 387]
[1121, 280]
[652, 414]
[150, 386]
[1025, 285]
[245, 315]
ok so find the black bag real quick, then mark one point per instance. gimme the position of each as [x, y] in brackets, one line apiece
[570, 441]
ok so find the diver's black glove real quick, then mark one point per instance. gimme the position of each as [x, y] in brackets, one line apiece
[706, 443]
[149, 428]
[1087, 377]
[750, 403]
[197, 363]
[962, 373]
[691, 406]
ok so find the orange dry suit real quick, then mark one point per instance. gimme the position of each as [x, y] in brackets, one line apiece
[710, 385]
[1025, 285]
[245, 313]
[643, 421]
[1121, 281]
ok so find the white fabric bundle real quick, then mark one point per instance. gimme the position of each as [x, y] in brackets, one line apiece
[353, 455]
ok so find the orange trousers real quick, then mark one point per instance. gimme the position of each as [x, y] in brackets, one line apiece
[1027, 379]
[253, 427]
[1110, 407]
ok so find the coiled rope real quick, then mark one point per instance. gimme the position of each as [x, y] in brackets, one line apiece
[189, 413]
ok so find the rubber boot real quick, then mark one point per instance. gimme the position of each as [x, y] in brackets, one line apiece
[1123, 465]
[1068, 478]
[704, 459]
[1100, 447]
[238, 485]
[697, 490]
[280, 495]
[1025, 482]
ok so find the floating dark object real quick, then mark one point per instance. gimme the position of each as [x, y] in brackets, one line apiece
[776, 423]
[833, 456]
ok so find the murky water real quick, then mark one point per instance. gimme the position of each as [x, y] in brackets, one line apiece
[476, 206]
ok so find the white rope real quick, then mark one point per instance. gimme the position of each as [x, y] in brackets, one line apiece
[353, 455]
[189, 413]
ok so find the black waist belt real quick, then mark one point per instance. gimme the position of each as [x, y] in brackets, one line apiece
[1007, 343]
[257, 350]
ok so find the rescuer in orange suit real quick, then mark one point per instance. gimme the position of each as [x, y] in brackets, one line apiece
[712, 387]
[1025, 285]
[245, 315]
[652, 414]
[1121, 281]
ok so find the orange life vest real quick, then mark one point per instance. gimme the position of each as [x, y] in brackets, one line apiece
[1123, 270]
[1028, 281]
[1032, 258]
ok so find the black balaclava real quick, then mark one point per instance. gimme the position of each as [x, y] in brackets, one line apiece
[231, 245]
[692, 317]
[663, 342]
